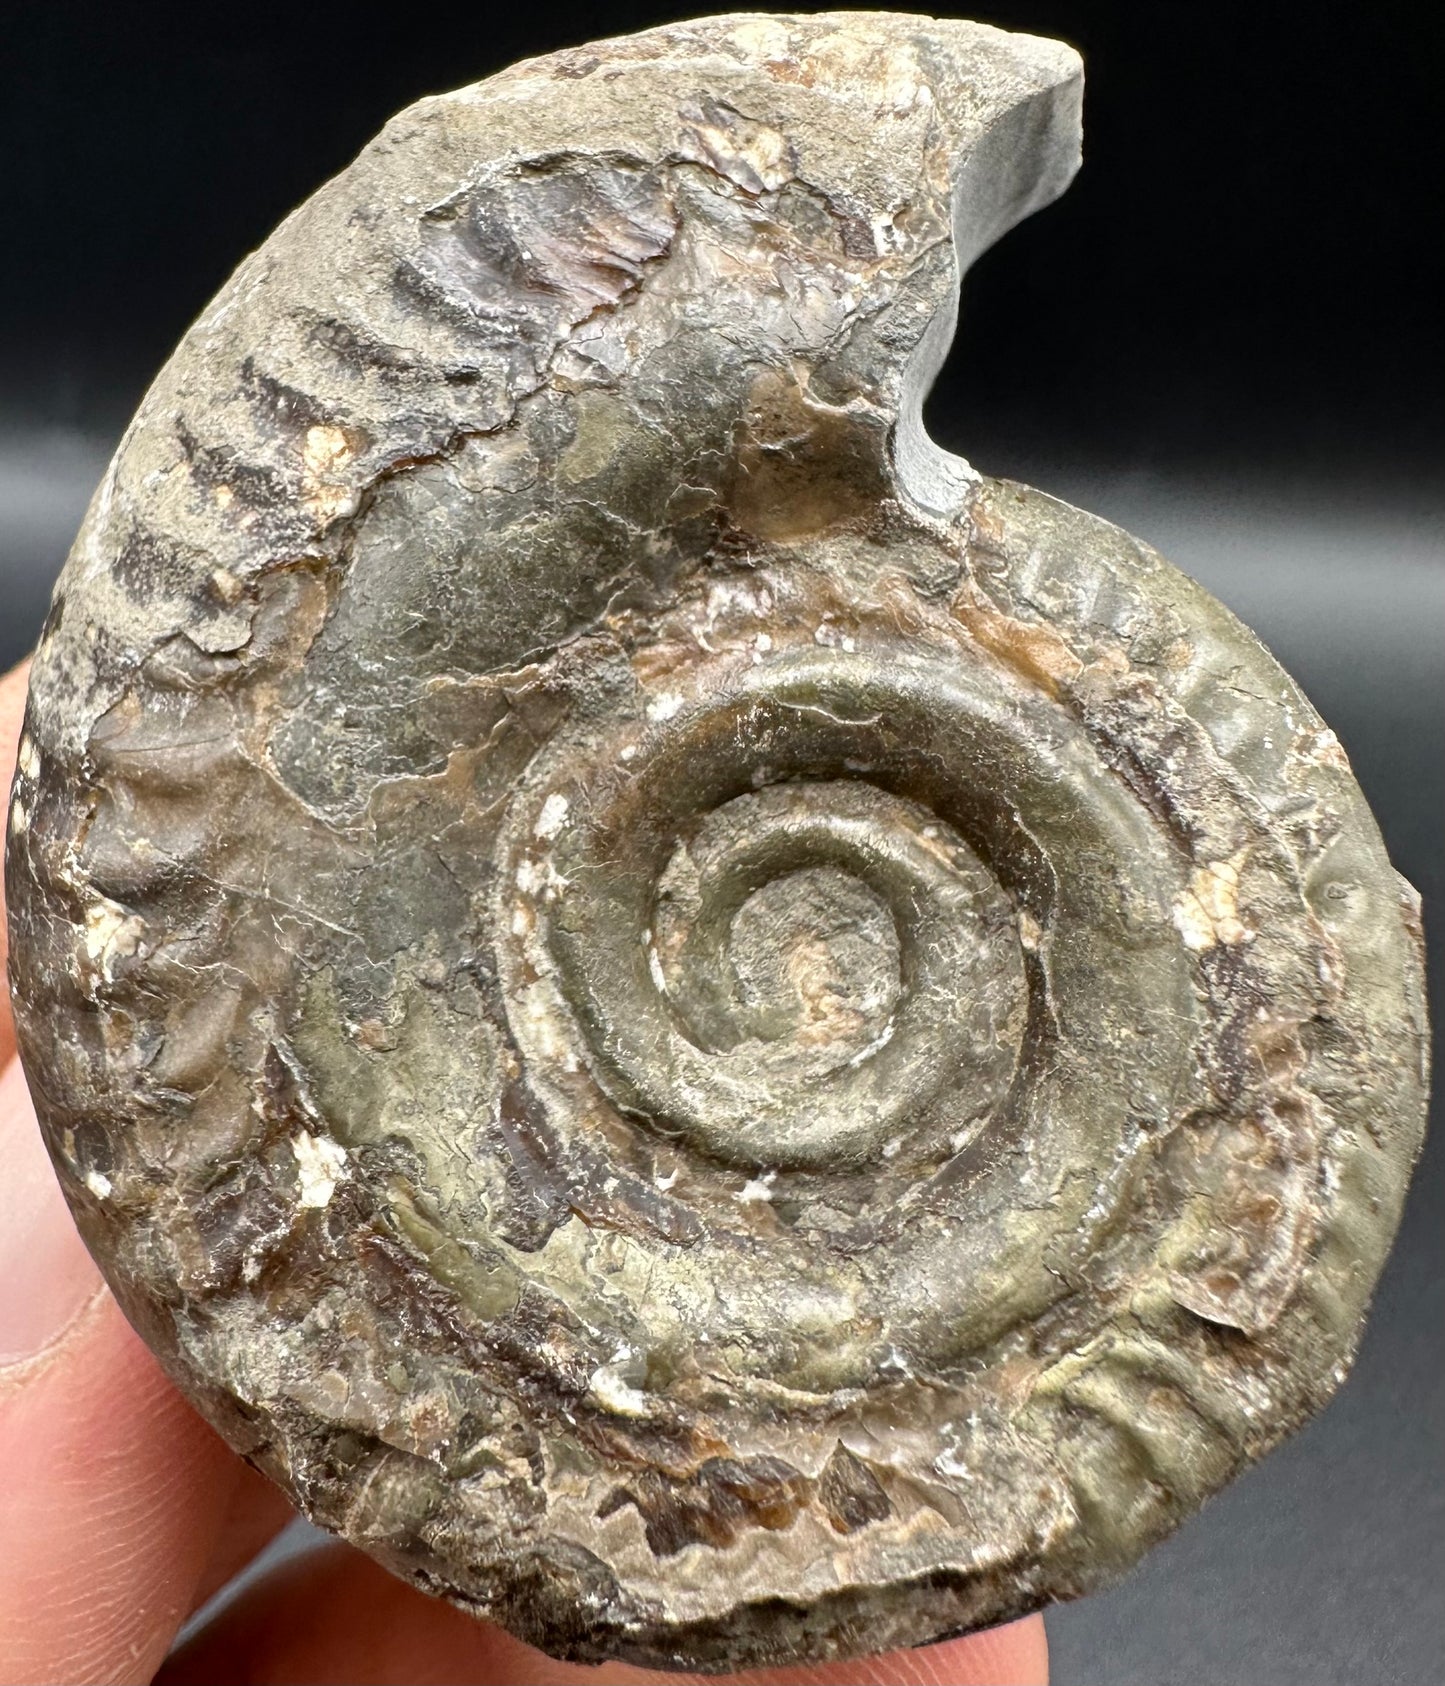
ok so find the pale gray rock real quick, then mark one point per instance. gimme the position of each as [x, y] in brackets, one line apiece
[714, 1036]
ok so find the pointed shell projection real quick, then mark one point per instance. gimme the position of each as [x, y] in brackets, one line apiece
[714, 1036]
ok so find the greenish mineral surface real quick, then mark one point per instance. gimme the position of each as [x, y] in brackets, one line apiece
[711, 1034]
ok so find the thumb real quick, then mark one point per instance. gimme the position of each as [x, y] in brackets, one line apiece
[334, 1618]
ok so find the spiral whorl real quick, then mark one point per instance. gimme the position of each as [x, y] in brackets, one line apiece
[715, 1036]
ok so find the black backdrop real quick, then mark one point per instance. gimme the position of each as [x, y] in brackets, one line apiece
[1245, 260]
[1227, 335]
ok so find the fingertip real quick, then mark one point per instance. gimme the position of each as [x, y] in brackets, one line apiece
[112, 1493]
[332, 1615]
[258, 1511]
[1016, 1654]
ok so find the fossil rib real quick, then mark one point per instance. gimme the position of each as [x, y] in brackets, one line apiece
[714, 1035]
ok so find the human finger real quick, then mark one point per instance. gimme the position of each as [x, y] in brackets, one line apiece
[258, 1511]
[334, 1616]
[112, 1490]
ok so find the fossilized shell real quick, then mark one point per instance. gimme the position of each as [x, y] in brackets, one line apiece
[713, 1035]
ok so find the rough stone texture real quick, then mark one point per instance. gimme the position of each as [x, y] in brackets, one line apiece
[714, 1036]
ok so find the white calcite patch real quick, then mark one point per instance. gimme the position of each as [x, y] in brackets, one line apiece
[757, 1188]
[664, 705]
[553, 816]
[1207, 912]
[320, 1163]
[111, 935]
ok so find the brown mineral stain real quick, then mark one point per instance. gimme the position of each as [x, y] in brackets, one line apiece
[602, 424]
[801, 466]
[1032, 649]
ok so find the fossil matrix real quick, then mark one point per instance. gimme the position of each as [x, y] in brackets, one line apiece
[714, 1035]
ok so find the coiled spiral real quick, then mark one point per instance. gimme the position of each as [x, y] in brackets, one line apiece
[713, 1035]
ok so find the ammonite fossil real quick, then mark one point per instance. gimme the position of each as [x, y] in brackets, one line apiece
[717, 1037]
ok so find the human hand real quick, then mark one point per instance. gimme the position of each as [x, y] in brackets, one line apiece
[121, 1512]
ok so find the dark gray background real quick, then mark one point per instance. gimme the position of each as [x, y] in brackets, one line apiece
[1227, 337]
